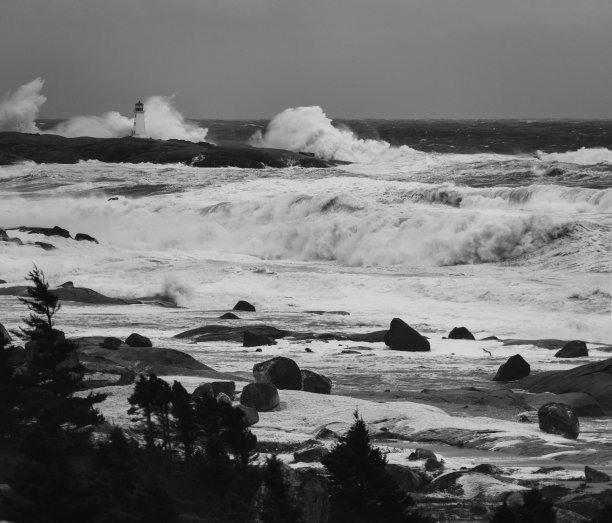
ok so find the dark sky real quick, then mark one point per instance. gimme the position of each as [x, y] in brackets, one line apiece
[354, 58]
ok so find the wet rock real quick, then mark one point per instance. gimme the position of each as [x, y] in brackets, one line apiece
[244, 306]
[254, 339]
[486, 468]
[136, 340]
[558, 418]
[349, 351]
[307, 349]
[67, 285]
[595, 476]
[3, 236]
[46, 231]
[573, 349]
[433, 465]
[311, 454]
[229, 316]
[419, 454]
[490, 338]
[594, 379]
[403, 337]
[45, 246]
[460, 333]
[514, 369]
[2, 281]
[230, 332]
[250, 415]
[111, 343]
[260, 396]
[317, 383]
[282, 372]
[214, 388]
[325, 433]
[82, 237]
[407, 478]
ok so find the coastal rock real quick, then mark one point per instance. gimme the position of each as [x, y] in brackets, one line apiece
[2, 281]
[420, 454]
[472, 485]
[102, 372]
[558, 418]
[230, 332]
[282, 372]
[249, 414]
[82, 237]
[460, 333]
[254, 339]
[260, 396]
[3, 236]
[433, 465]
[229, 316]
[403, 337]
[486, 468]
[595, 476]
[111, 343]
[514, 369]
[136, 340]
[45, 246]
[310, 454]
[244, 306]
[223, 398]
[313, 382]
[5, 337]
[46, 231]
[594, 379]
[214, 388]
[67, 285]
[407, 478]
[573, 349]
[306, 490]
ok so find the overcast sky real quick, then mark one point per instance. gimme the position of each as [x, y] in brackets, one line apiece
[354, 58]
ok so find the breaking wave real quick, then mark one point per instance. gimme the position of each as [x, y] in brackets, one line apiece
[19, 110]
[310, 130]
[582, 156]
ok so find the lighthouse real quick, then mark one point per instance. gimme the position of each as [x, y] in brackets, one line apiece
[139, 122]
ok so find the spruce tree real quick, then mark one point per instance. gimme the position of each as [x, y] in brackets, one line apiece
[276, 505]
[184, 424]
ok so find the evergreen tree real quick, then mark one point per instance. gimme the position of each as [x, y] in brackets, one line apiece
[276, 505]
[535, 509]
[184, 423]
[358, 478]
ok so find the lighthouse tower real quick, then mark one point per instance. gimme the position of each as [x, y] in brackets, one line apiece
[139, 122]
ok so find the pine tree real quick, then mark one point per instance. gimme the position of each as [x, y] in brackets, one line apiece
[358, 477]
[276, 505]
[184, 423]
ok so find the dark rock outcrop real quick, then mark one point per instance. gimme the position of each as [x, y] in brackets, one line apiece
[419, 453]
[594, 379]
[486, 468]
[47, 148]
[244, 306]
[47, 231]
[460, 333]
[254, 339]
[230, 333]
[573, 349]
[111, 343]
[313, 382]
[595, 476]
[249, 414]
[406, 478]
[558, 418]
[45, 246]
[260, 396]
[403, 337]
[229, 316]
[82, 237]
[214, 388]
[137, 340]
[514, 369]
[282, 372]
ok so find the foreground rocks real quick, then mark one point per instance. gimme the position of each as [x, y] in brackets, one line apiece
[460, 333]
[282, 372]
[260, 396]
[573, 349]
[557, 418]
[48, 148]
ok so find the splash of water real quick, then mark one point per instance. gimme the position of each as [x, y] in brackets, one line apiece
[583, 156]
[19, 110]
[309, 129]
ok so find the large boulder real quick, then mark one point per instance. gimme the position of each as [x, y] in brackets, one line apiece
[282, 372]
[558, 418]
[595, 476]
[460, 333]
[244, 306]
[111, 343]
[254, 339]
[229, 316]
[5, 337]
[307, 490]
[573, 349]
[407, 478]
[402, 336]
[313, 382]
[594, 379]
[260, 396]
[514, 369]
[214, 388]
[136, 340]
[249, 414]
[82, 237]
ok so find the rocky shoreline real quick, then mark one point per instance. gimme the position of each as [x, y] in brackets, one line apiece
[458, 451]
[47, 148]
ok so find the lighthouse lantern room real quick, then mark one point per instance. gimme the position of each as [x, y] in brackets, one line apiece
[139, 121]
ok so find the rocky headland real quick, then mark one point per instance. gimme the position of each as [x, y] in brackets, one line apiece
[47, 148]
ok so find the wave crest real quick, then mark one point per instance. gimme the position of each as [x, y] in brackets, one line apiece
[583, 156]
